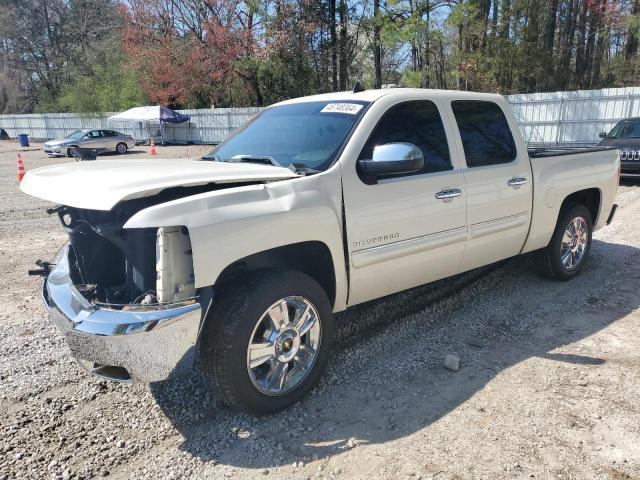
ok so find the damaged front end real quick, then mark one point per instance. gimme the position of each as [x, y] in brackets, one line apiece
[124, 298]
[117, 267]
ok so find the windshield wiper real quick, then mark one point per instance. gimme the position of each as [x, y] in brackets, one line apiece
[302, 169]
[261, 159]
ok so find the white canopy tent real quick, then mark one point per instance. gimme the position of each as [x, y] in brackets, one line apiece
[138, 114]
[150, 115]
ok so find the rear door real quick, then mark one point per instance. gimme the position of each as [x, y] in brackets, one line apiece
[93, 139]
[109, 139]
[399, 233]
[497, 180]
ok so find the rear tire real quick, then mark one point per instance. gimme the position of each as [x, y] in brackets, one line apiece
[260, 360]
[122, 148]
[570, 245]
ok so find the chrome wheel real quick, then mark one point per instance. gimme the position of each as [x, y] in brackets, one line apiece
[121, 148]
[574, 243]
[284, 345]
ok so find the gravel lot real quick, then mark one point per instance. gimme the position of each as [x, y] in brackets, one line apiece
[549, 383]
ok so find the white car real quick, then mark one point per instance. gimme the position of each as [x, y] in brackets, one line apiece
[107, 140]
[240, 260]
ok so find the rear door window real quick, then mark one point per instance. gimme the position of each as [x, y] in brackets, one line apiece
[485, 133]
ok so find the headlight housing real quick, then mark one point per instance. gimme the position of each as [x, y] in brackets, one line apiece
[174, 265]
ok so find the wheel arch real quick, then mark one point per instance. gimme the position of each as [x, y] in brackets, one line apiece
[312, 258]
[548, 209]
[589, 197]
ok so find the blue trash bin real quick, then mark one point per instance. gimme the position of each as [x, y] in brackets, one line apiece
[24, 140]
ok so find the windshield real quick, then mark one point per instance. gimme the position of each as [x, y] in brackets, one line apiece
[625, 129]
[308, 135]
[632, 130]
[78, 134]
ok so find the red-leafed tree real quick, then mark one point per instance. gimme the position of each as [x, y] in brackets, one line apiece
[188, 52]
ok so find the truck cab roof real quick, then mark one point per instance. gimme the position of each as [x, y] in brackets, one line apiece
[375, 94]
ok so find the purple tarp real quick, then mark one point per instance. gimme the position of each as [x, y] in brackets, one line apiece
[171, 116]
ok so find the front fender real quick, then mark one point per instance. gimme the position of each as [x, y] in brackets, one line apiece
[228, 225]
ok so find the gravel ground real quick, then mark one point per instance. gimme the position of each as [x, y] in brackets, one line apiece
[548, 385]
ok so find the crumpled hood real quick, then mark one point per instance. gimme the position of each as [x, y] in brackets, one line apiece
[101, 184]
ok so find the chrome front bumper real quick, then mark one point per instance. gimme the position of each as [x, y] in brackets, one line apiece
[147, 344]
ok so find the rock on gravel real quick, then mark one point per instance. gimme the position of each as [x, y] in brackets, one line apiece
[452, 362]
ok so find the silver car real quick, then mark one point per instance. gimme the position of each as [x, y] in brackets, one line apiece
[109, 140]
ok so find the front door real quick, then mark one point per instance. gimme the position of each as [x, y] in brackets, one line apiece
[406, 230]
[93, 140]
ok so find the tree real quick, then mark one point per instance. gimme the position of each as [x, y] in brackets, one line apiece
[52, 40]
[98, 54]
[108, 89]
[376, 44]
[633, 32]
[334, 45]
[343, 45]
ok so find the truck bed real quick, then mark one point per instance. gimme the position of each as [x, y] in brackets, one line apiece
[541, 152]
[559, 172]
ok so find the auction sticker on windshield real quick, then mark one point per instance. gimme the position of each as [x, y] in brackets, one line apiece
[350, 108]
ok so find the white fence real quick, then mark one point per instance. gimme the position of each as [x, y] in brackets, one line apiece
[573, 118]
[206, 125]
[556, 118]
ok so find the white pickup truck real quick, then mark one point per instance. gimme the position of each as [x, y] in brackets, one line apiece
[319, 203]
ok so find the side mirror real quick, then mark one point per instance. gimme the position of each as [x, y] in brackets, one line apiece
[602, 134]
[393, 159]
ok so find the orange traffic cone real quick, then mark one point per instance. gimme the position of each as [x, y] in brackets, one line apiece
[152, 147]
[20, 168]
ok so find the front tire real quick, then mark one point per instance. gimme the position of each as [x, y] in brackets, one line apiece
[570, 245]
[267, 341]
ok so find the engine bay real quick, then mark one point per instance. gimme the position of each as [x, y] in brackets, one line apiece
[117, 267]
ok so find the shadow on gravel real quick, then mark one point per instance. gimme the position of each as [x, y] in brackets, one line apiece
[575, 359]
[343, 412]
[116, 154]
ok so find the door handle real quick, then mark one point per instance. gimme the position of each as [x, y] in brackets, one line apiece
[447, 194]
[517, 181]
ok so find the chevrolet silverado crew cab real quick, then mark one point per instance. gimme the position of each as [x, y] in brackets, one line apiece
[239, 260]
